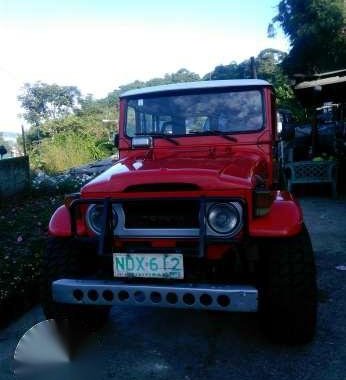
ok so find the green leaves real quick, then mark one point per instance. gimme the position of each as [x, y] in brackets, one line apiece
[316, 31]
[182, 75]
[66, 150]
[43, 102]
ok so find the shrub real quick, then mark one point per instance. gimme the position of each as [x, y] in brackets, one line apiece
[66, 150]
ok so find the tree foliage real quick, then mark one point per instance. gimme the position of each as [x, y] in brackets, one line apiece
[316, 29]
[182, 75]
[268, 67]
[66, 150]
[43, 102]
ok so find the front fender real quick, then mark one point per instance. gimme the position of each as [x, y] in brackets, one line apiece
[60, 222]
[285, 218]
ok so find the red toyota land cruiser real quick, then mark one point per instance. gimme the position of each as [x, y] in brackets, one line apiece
[191, 216]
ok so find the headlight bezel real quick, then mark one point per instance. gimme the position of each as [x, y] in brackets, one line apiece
[89, 223]
[236, 207]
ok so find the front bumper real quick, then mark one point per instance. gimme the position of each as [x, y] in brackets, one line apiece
[236, 298]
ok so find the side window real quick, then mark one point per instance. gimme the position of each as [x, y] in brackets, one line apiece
[145, 122]
[131, 122]
[139, 122]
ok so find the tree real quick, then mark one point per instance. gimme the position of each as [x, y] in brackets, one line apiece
[316, 29]
[182, 75]
[267, 64]
[43, 102]
[231, 71]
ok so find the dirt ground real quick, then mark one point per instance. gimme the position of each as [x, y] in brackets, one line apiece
[144, 343]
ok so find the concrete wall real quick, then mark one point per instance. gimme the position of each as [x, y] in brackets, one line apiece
[14, 176]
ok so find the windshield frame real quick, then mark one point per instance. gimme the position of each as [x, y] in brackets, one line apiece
[154, 95]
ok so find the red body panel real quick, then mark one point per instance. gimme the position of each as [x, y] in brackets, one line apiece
[60, 223]
[218, 170]
[284, 219]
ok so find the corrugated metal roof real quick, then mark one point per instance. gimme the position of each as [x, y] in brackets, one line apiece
[196, 85]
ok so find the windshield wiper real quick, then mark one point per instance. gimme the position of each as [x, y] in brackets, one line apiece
[217, 133]
[160, 135]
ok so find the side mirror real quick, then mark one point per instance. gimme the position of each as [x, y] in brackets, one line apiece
[116, 140]
[142, 142]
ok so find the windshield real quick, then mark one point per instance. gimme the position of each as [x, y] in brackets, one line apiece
[193, 114]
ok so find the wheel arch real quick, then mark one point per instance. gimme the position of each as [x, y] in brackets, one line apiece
[284, 219]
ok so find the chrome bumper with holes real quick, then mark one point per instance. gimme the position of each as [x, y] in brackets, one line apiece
[239, 298]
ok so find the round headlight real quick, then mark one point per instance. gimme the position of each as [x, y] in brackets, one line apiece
[223, 218]
[94, 218]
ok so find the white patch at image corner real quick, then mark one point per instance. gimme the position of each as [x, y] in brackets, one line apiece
[40, 346]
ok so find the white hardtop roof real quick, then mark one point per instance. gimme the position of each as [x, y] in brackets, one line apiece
[196, 86]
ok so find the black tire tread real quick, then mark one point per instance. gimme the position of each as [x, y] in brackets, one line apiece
[63, 259]
[288, 292]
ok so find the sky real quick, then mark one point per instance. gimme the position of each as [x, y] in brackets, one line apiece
[98, 45]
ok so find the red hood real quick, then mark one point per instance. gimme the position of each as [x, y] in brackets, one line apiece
[232, 170]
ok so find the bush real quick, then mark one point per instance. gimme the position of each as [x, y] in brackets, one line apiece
[66, 150]
[60, 184]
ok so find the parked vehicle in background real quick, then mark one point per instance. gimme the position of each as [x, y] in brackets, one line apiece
[191, 216]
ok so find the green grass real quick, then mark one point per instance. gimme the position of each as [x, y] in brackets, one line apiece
[66, 150]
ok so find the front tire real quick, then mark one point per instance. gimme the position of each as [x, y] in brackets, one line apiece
[287, 289]
[65, 258]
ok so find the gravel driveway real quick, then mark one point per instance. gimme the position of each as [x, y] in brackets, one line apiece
[143, 343]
